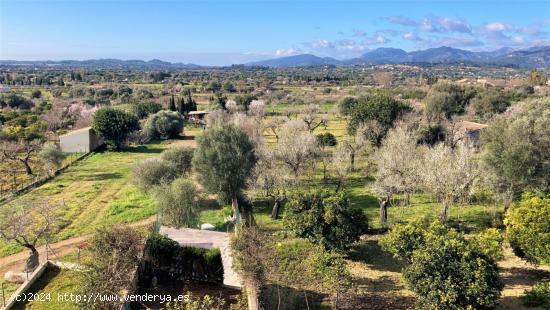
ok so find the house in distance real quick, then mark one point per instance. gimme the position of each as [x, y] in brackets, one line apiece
[82, 140]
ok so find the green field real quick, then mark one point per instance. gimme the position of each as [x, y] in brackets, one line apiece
[52, 283]
[93, 192]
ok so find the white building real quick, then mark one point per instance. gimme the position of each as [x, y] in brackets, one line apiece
[82, 140]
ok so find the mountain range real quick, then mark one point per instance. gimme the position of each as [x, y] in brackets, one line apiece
[533, 57]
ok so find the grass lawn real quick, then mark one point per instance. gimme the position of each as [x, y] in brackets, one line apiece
[93, 192]
[54, 281]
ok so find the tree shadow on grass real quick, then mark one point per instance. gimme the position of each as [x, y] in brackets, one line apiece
[369, 252]
[143, 149]
[378, 302]
[100, 176]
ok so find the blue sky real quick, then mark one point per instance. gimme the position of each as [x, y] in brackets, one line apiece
[224, 32]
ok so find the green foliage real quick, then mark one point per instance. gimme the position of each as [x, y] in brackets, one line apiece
[164, 125]
[152, 172]
[537, 78]
[181, 157]
[528, 228]
[36, 94]
[331, 269]
[490, 102]
[431, 134]
[114, 125]
[143, 109]
[445, 270]
[517, 149]
[114, 254]
[325, 219]
[52, 155]
[213, 86]
[249, 253]
[538, 296]
[446, 99]
[403, 240]
[223, 160]
[244, 100]
[15, 101]
[326, 139]
[346, 105]
[380, 108]
[229, 87]
[179, 204]
[490, 242]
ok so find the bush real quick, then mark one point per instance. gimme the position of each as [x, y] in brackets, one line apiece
[181, 157]
[347, 105]
[52, 155]
[528, 228]
[326, 139]
[445, 100]
[325, 219]
[151, 172]
[164, 125]
[114, 125]
[538, 296]
[448, 273]
[179, 203]
[143, 109]
[445, 270]
[490, 102]
[381, 109]
[490, 242]
[36, 94]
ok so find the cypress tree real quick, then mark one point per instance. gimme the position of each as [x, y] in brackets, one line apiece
[172, 104]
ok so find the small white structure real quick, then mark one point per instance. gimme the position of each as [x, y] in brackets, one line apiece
[206, 239]
[82, 140]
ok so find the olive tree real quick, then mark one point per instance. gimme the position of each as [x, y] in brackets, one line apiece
[179, 203]
[179, 156]
[52, 155]
[310, 116]
[152, 172]
[517, 150]
[223, 160]
[164, 125]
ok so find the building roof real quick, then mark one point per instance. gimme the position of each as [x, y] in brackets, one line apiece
[77, 131]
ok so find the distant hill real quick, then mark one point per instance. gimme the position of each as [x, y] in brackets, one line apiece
[533, 57]
[304, 60]
[96, 64]
[527, 58]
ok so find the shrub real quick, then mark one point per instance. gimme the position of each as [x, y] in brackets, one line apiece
[528, 228]
[347, 105]
[179, 203]
[181, 157]
[52, 155]
[151, 172]
[402, 240]
[36, 94]
[490, 102]
[447, 272]
[538, 296]
[380, 109]
[326, 139]
[114, 125]
[325, 219]
[143, 109]
[490, 242]
[164, 125]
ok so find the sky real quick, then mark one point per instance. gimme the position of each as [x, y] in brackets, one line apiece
[227, 32]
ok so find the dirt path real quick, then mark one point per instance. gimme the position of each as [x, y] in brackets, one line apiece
[17, 260]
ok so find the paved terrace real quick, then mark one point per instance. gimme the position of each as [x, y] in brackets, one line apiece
[206, 239]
